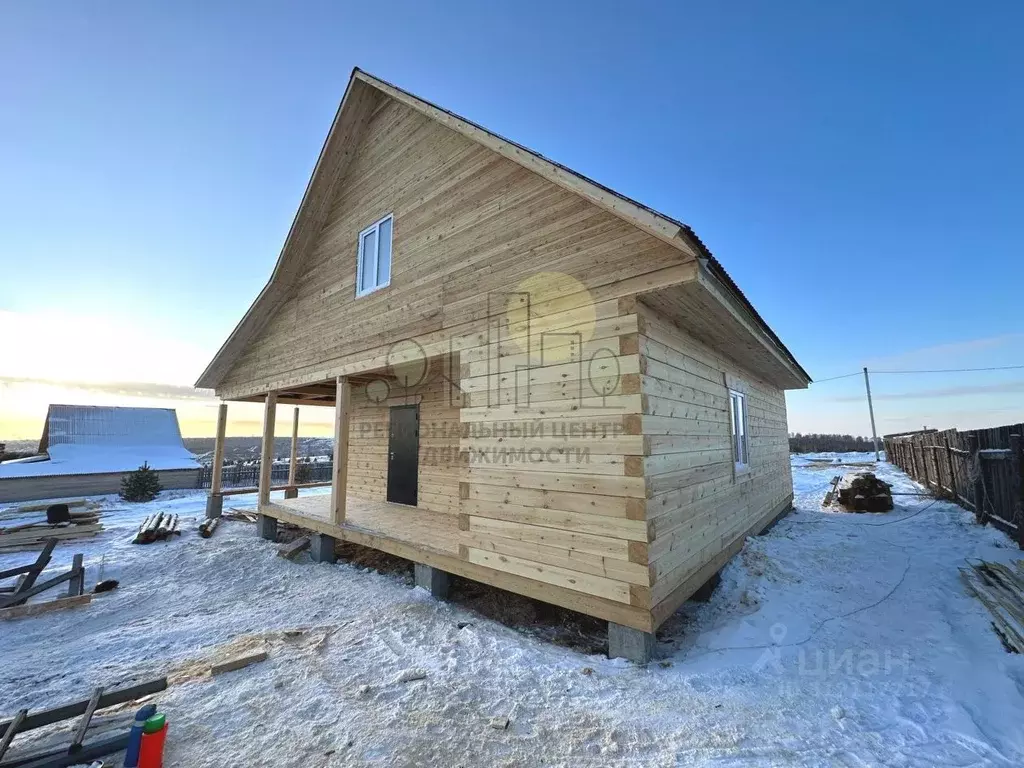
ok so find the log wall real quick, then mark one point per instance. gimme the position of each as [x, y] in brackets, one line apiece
[554, 488]
[468, 224]
[700, 507]
[439, 461]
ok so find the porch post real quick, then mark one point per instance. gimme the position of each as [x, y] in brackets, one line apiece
[215, 501]
[267, 453]
[291, 491]
[339, 481]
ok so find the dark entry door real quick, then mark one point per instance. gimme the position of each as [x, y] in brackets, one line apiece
[404, 454]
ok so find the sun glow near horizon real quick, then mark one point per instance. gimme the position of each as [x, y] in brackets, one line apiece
[54, 357]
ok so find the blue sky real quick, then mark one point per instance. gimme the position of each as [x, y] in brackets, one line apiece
[857, 167]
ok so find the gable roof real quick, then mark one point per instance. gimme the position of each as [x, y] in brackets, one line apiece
[357, 105]
[88, 439]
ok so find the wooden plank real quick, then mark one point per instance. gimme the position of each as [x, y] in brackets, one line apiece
[238, 663]
[83, 724]
[293, 456]
[76, 585]
[218, 450]
[571, 559]
[293, 548]
[589, 504]
[26, 584]
[342, 415]
[551, 574]
[518, 477]
[267, 448]
[119, 696]
[603, 546]
[575, 522]
[11, 731]
[34, 609]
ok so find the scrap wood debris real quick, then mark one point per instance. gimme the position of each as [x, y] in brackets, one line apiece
[59, 522]
[14, 599]
[87, 736]
[863, 492]
[241, 515]
[1000, 588]
[832, 491]
[293, 548]
[159, 526]
[246, 650]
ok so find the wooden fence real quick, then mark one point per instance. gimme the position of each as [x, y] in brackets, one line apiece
[248, 475]
[981, 470]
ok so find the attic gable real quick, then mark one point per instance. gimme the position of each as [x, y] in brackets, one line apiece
[364, 95]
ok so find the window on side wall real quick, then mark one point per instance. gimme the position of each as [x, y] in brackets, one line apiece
[374, 266]
[738, 420]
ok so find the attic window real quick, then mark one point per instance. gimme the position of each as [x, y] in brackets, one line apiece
[374, 268]
[738, 420]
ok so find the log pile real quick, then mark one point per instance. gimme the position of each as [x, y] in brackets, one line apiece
[159, 526]
[1000, 588]
[34, 535]
[207, 527]
[863, 492]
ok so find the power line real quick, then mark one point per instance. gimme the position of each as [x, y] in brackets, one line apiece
[844, 376]
[961, 370]
[938, 370]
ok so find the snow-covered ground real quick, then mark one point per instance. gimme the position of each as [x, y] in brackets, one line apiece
[835, 639]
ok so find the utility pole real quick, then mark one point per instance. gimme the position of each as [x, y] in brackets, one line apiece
[871, 410]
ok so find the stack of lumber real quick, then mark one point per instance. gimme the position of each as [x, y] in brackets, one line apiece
[863, 492]
[1000, 588]
[159, 526]
[25, 509]
[33, 535]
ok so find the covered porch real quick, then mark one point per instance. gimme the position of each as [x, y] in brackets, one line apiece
[391, 528]
[366, 481]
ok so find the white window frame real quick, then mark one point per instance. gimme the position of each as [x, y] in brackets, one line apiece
[740, 433]
[375, 227]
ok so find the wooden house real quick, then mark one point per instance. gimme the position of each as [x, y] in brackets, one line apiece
[538, 383]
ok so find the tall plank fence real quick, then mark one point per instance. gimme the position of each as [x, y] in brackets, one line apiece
[980, 470]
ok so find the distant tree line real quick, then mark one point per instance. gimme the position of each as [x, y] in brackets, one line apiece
[828, 443]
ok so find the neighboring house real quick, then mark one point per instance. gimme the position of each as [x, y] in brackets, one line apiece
[87, 449]
[538, 383]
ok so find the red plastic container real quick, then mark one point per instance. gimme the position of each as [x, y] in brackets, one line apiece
[151, 753]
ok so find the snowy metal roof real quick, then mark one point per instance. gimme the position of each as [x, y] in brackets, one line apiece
[89, 439]
[109, 425]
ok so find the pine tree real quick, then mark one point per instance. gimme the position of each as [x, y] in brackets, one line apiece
[141, 485]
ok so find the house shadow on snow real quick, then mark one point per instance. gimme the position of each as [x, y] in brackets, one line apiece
[559, 626]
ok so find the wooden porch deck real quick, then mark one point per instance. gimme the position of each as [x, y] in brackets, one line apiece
[394, 528]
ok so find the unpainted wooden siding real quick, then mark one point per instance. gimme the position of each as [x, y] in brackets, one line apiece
[700, 505]
[468, 226]
[439, 402]
[554, 487]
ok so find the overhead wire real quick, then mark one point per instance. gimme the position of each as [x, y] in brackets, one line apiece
[874, 371]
